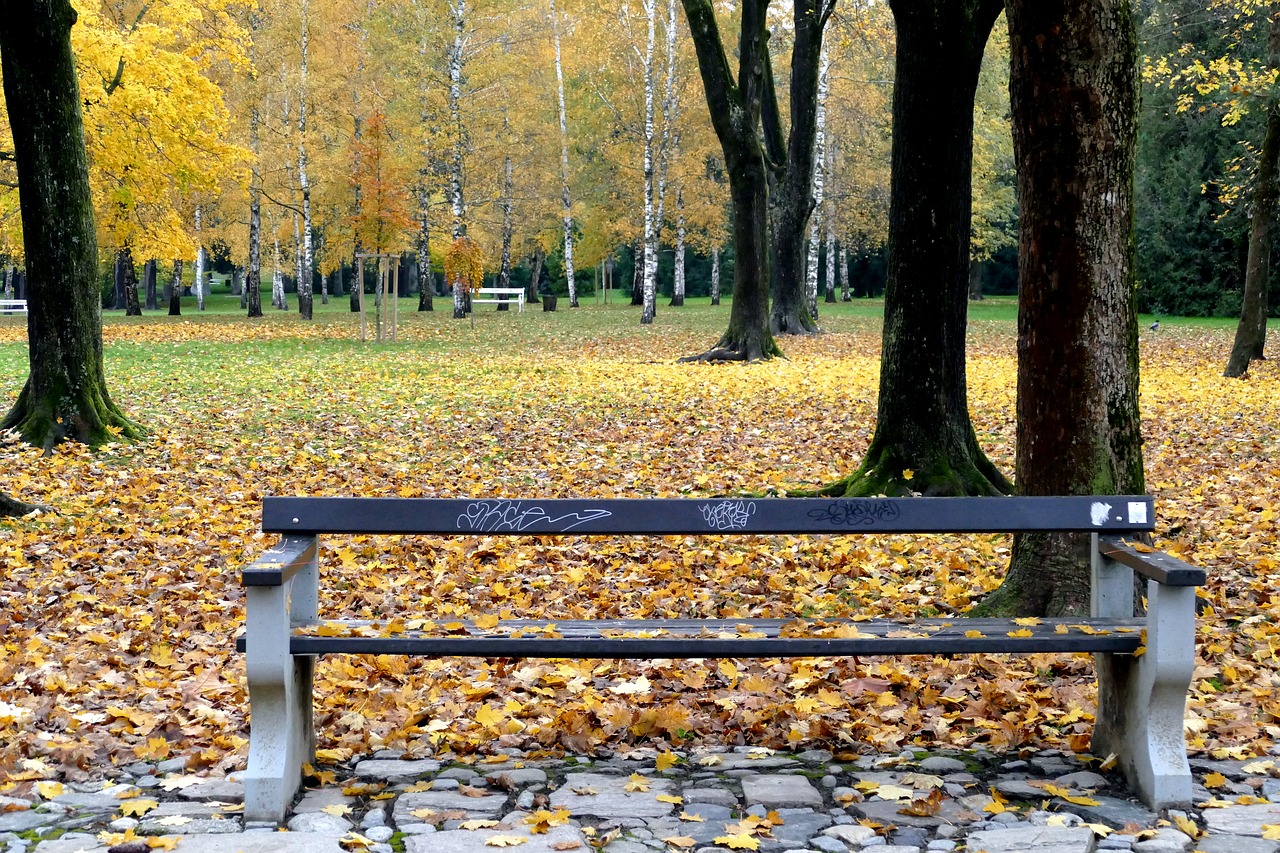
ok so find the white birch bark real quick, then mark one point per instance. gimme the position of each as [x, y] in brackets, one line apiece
[650, 280]
[426, 291]
[199, 286]
[253, 276]
[677, 287]
[508, 225]
[845, 295]
[819, 176]
[565, 196]
[277, 279]
[715, 276]
[308, 260]
[458, 8]
[829, 219]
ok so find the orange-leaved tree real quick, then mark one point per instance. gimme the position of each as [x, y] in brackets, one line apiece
[464, 270]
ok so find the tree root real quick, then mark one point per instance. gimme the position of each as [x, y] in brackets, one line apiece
[12, 507]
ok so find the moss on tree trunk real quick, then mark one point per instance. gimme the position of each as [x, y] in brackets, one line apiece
[65, 396]
[924, 441]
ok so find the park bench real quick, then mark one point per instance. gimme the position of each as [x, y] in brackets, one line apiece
[13, 306]
[500, 295]
[1143, 663]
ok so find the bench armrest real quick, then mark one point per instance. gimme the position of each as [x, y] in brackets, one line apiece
[1155, 565]
[281, 562]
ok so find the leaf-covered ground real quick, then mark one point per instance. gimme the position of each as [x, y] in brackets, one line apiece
[117, 615]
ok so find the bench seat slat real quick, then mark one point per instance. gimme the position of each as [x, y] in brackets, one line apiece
[716, 638]
[684, 516]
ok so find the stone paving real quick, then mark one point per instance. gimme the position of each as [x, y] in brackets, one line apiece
[640, 802]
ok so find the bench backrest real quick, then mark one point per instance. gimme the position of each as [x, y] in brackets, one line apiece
[683, 516]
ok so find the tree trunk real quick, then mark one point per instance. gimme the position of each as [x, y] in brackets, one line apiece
[118, 301]
[922, 423]
[149, 284]
[305, 276]
[845, 294]
[129, 279]
[278, 299]
[253, 276]
[458, 8]
[1251, 333]
[715, 275]
[198, 286]
[652, 217]
[829, 218]
[677, 273]
[1078, 424]
[792, 202]
[735, 114]
[819, 186]
[508, 224]
[175, 290]
[535, 275]
[565, 197]
[65, 396]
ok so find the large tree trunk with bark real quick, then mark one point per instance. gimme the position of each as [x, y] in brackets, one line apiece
[735, 113]
[922, 421]
[129, 277]
[1074, 96]
[792, 201]
[175, 289]
[149, 284]
[1251, 333]
[65, 396]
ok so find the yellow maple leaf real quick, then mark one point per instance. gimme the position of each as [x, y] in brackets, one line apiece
[49, 790]
[1271, 831]
[669, 798]
[1215, 780]
[1026, 621]
[738, 842]
[504, 840]
[637, 784]
[682, 841]
[541, 821]
[974, 635]
[163, 842]
[486, 621]
[337, 810]
[1187, 825]
[489, 716]
[1021, 632]
[908, 474]
[138, 807]
[477, 823]
[692, 818]
[666, 760]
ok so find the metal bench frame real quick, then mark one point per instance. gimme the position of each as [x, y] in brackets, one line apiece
[1141, 698]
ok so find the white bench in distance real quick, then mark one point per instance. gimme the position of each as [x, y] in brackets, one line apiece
[13, 306]
[499, 295]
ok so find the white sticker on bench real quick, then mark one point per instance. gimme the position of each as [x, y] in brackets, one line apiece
[1099, 512]
[1137, 512]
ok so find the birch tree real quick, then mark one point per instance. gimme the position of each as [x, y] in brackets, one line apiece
[458, 10]
[198, 285]
[819, 175]
[564, 166]
[649, 282]
[305, 268]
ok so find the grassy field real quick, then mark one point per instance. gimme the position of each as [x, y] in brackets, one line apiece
[119, 609]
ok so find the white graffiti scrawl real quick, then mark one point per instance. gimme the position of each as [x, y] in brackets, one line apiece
[728, 515]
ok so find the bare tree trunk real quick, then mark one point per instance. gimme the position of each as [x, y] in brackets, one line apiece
[149, 285]
[651, 221]
[565, 197]
[819, 178]
[845, 294]
[65, 396]
[1079, 431]
[715, 276]
[678, 271]
[278, 299]
[456, 58]
[198, 286]
[735, 107]
[175, 290]
[535, 275]
[305, 283]
[1251, 333]
[130, 283]
[508, 225]
[922, 420]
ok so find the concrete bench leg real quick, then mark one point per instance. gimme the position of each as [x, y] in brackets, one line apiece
[281, 736]
[1142, 701]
